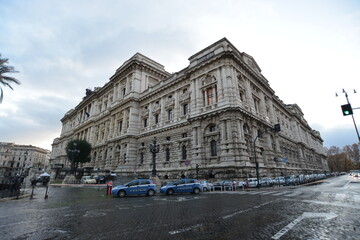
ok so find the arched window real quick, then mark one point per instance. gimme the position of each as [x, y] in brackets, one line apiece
[213, 148]
[167, 154]
[183, 152]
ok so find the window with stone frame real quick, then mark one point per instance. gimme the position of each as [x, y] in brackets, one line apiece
[183, 152]
[170, 114]
[145, 122]
[156, 117]
[213, 148]
[185, 109]
[212, 128]
[142, 158]
[120, 125]
[167, 154]
[256, 103]
[210, 95]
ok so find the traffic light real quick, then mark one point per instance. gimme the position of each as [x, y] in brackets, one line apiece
[346, 109]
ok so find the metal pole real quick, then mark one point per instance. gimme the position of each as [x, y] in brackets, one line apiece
[154, 148]
[352, 115]
[256, 164]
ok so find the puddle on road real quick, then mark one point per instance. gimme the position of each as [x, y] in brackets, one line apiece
[94, 213]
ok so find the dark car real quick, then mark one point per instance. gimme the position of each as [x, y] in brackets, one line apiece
[100, 179]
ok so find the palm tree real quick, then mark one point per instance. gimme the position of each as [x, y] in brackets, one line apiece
[6, 80]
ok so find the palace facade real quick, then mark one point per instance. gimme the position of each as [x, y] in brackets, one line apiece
[215, 116]
[23, 160]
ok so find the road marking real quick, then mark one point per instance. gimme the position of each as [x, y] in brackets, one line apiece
[281, 193]
[293, 194]
[346, 185]
[246, 210]
[356, 198]
[340, 196]
[185, 229]
[327, 216]
[266, 193]
[332, 204]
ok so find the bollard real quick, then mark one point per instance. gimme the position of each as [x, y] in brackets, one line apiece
[108, 188]
[46, 193]
[32, 192]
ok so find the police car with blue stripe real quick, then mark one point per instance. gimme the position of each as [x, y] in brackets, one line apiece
[135, 187]
[182, 186]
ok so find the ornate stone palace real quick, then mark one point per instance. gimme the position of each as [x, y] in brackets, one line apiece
[215, 116]
[24, 160]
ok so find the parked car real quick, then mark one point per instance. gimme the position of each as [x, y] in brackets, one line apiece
[135, 187]
[291, 180]
[267, 182]
[182, 186]
[87, 180]
[241, 184]
[100, 179]
[252, 182]
[206, 186]
[279, 181]
[224, 185]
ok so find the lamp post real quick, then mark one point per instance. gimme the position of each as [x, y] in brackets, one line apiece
[154, 149]
[74, 152]
[347, 99]
[22, 166]
[19, 179]
[256, 162]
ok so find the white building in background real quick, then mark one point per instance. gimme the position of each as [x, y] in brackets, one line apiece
[21, 159]
[207, 114]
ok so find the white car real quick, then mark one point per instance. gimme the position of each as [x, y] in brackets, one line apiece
[88, 180]
[252, 182]
[206, 186]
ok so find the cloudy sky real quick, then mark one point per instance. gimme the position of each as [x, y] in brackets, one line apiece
[308, 50]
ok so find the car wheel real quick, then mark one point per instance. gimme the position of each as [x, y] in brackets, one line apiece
[196, 191]
[205, 189]
[122, 193]
[151, 193]
[170, 192]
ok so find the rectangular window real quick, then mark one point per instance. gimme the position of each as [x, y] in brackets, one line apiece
[156, 118]
[170, 115]
[120, 126]
[145, 122]
[185, 109]
[167, 157]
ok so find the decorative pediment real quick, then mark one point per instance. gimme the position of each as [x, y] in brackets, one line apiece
[208, 79]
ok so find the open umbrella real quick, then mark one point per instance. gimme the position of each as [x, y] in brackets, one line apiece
[44, 175]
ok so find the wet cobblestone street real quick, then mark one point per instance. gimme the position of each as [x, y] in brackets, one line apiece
[315, 212]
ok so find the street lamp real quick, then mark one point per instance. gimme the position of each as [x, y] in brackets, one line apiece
[74, 152]
[154, 149]
[347, 110]
[23, 164]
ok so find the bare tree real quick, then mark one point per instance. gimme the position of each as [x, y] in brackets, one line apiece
[4, 79]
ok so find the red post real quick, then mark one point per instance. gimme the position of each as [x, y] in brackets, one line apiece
[108, 188]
